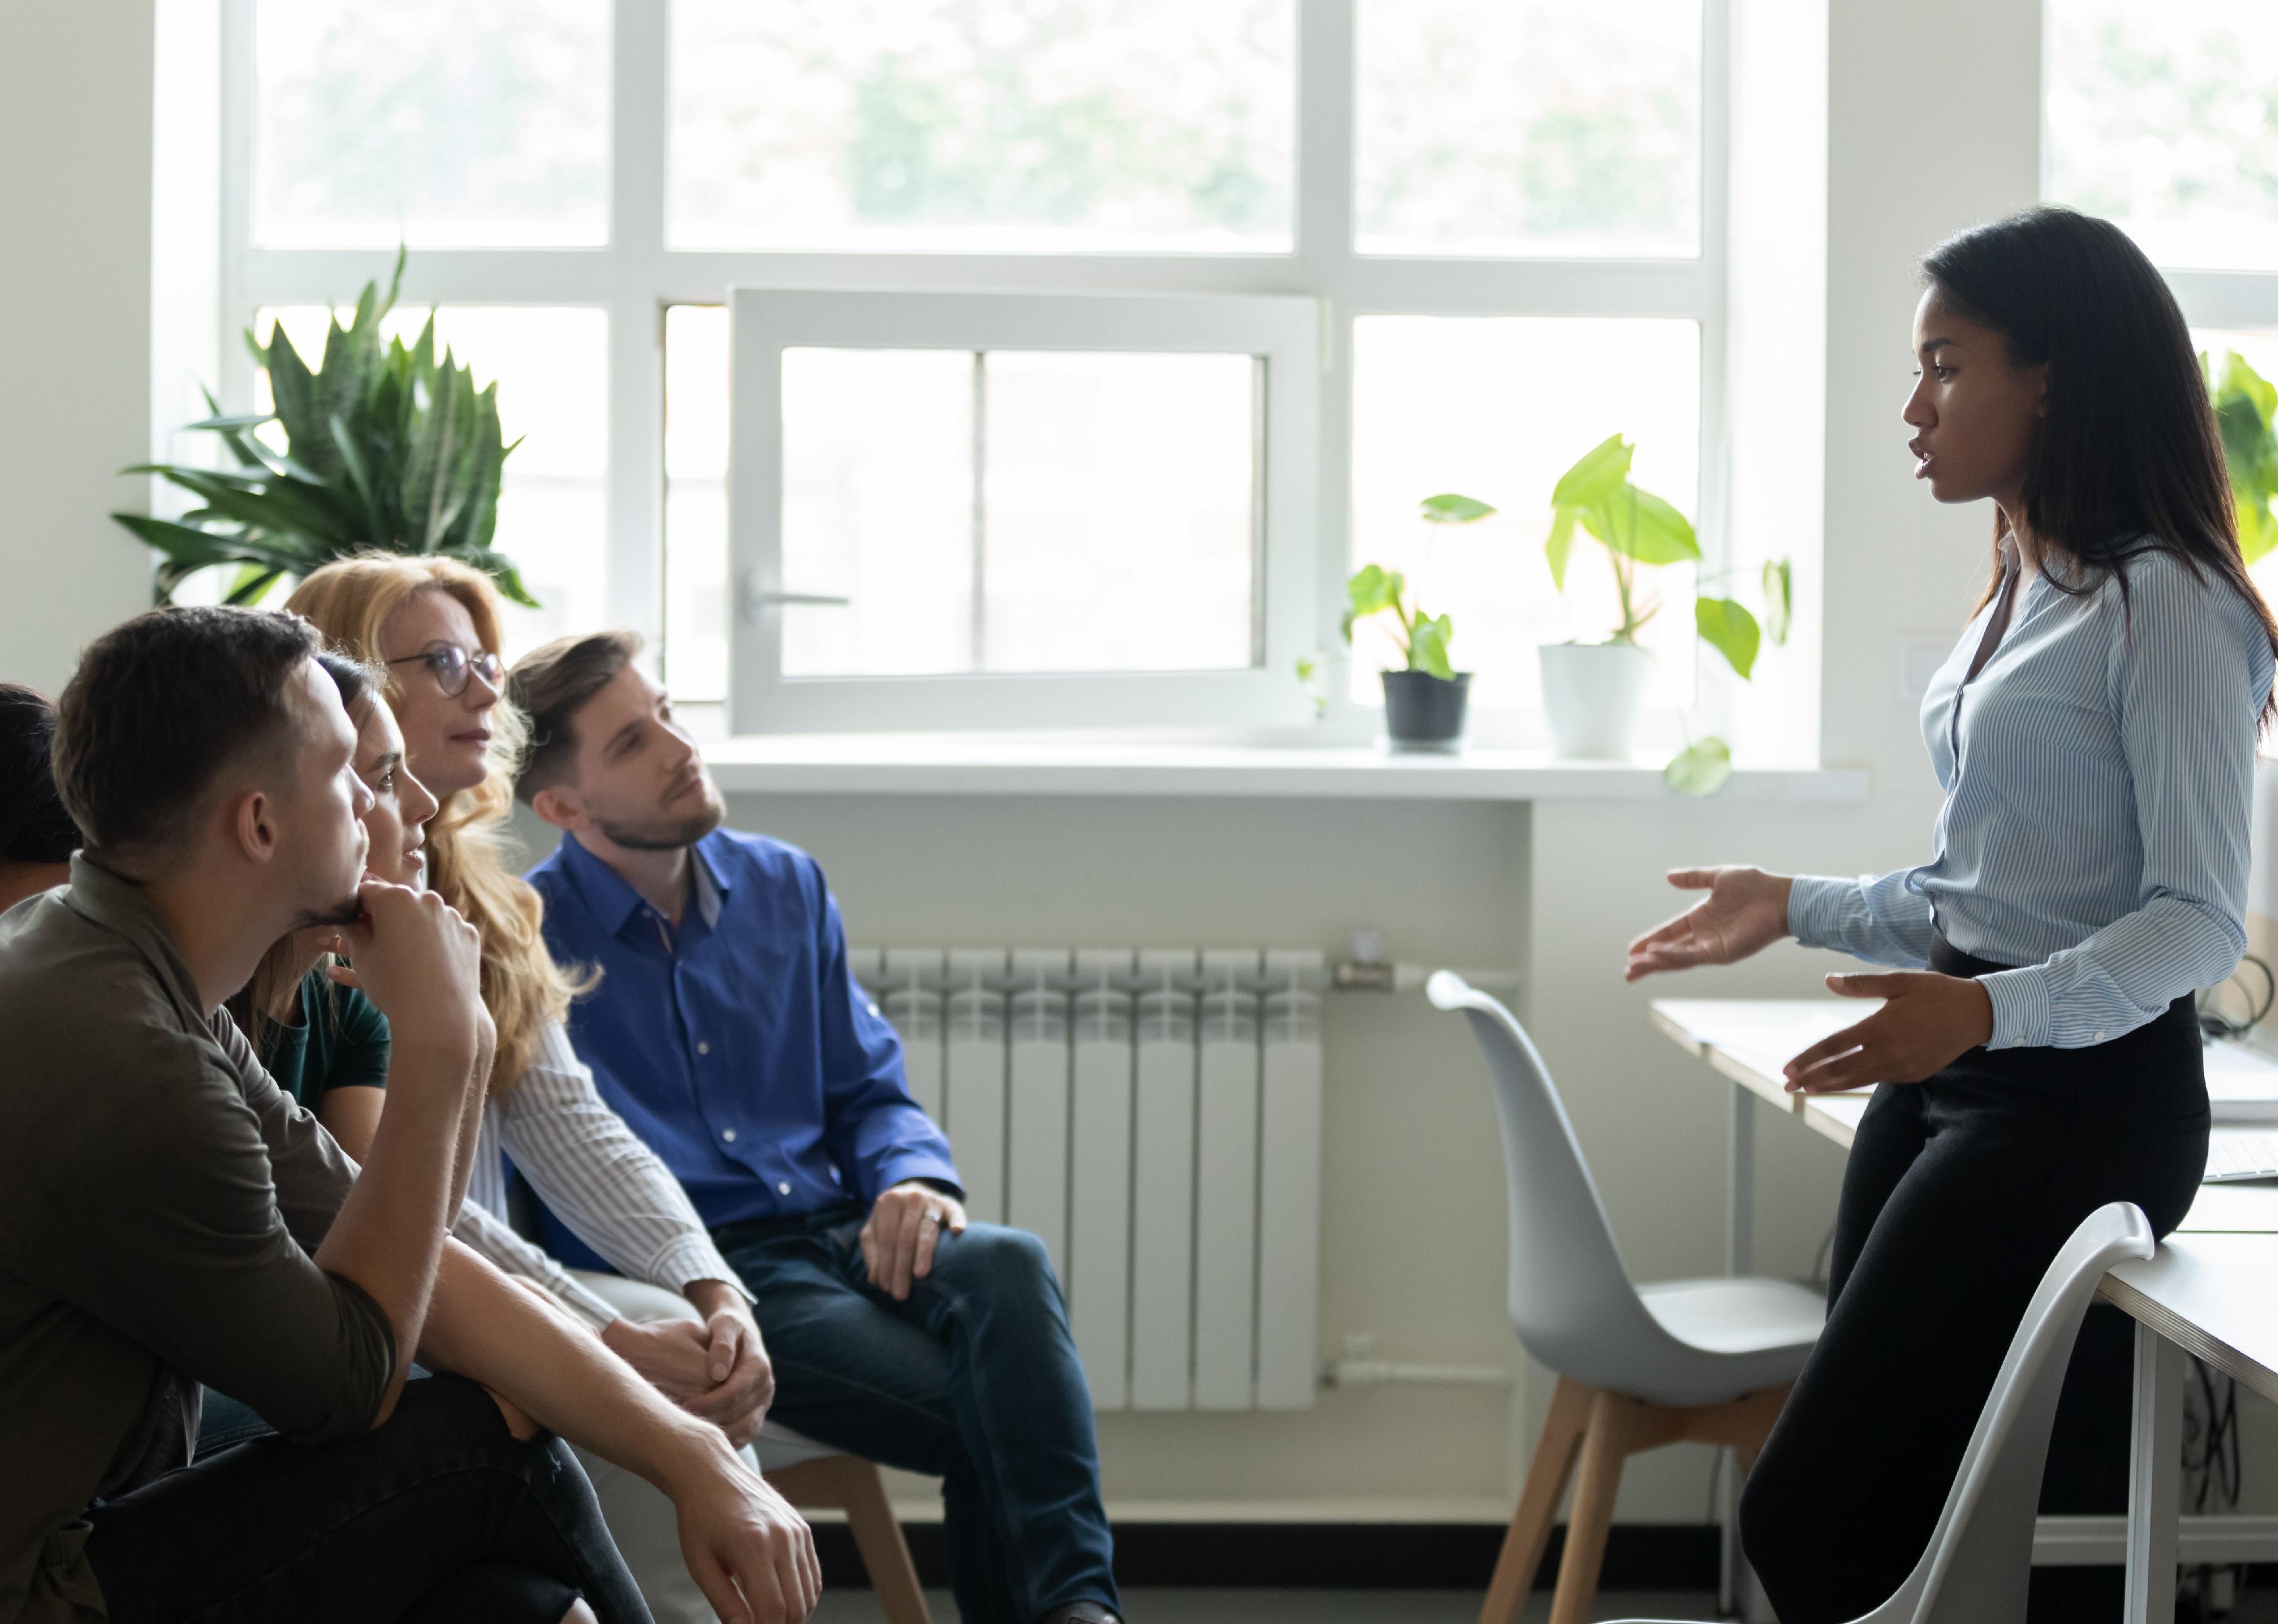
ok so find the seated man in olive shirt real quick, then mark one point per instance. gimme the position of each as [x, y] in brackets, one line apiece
[168, 1219]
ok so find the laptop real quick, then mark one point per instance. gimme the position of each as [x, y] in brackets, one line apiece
[2241, 1153]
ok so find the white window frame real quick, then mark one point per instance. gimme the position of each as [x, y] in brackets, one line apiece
[1284, 334]
[635, 276]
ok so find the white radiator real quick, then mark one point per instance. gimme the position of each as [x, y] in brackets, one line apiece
[1155, 1118]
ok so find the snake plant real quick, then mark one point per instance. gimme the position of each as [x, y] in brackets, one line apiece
[385, 448]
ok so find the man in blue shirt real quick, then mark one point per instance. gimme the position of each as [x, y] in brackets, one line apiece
[726, 1030]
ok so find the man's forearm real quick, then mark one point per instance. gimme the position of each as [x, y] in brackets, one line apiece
[485, 1326]
[390, 1230]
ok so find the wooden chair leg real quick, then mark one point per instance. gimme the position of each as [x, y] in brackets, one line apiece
[1604, 1447]
[851, 1485]
[1538, 1502]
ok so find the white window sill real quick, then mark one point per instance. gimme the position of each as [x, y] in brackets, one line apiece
[998, 764]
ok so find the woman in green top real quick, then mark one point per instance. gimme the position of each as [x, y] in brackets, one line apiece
[322, 1039]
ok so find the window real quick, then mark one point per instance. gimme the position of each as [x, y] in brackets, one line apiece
[1101, 339]
[978, 492]
[2166, 120]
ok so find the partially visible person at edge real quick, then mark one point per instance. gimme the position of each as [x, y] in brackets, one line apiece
[170, 1221]
[37, 836]
[2037, 1054]
[728, 1030]
[673, 1310]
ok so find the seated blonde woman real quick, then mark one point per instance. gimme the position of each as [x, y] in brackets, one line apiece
[433, 625]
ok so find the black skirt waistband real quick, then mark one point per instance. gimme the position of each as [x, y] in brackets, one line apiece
[1947, 959]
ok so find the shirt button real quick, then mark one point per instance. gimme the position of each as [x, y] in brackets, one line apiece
[784, 1188]
[703, 1048]
[2099, 1037]
[728, 1135]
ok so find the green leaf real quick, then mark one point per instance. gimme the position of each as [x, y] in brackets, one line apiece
[1638, 524]
[1374, 588]
[1596, 475]
[1779, 600]
[2258, 530]
[1427, 646]
[2240, 378]
[1452, 509]
[1728, 628]
[1560, 544]
[1372, 591]
[252, 585]
[1700, 768]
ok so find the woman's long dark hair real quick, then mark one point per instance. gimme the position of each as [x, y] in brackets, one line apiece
[2128, 459]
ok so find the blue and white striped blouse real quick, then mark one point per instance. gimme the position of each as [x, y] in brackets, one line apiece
[2095, 826]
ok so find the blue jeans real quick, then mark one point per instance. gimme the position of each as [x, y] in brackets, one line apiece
[973, 1380]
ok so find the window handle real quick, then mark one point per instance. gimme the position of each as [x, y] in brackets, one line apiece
[752, 599]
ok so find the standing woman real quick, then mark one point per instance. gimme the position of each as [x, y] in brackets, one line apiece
[2094, 731]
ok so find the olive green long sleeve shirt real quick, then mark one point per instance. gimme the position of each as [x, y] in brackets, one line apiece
[159, 1202]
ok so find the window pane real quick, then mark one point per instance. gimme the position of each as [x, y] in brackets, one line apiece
[981, 124]
[1119, 512]
[878, 508]
[696, 599]
[1497, 408]
[2165, 118]
[1083, 556]
[552, 371]
[471, 124]
[1529, 127]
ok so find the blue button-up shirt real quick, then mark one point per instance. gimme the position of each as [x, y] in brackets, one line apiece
[738, 1046]
[2099, 778]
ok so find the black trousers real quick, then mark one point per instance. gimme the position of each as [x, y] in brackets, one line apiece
[441, 1516]
[1958, 1193]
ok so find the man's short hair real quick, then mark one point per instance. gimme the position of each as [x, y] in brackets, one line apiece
[161, 705]
[33, 826]
[550, 685]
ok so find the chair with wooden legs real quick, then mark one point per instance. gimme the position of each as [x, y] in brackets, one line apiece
[1705, 1361]
[814, 1477]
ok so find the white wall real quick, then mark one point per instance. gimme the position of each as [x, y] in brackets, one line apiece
[75, 147]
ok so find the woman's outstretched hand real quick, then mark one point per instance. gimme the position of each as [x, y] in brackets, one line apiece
[1744, 911]
[1928, 1021]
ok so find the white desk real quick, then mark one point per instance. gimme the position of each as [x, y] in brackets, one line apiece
[2207, 1293]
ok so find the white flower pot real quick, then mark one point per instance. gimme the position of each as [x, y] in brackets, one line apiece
[1592, 694]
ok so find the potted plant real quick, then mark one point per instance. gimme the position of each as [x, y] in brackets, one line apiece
[1593, 692]
[1424, 700]
[383, 447]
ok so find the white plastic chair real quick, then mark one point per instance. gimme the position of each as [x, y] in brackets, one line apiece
[1686, 1360]
[1980, 1557]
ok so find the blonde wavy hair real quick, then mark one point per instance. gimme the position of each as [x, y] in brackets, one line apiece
[350, 601]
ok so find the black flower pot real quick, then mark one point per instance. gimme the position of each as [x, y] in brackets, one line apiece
[1425, 713]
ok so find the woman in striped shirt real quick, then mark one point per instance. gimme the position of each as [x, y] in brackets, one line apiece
[2094, 730]
[674, 1309]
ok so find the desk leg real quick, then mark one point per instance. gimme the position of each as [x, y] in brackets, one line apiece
[1740, 1185]
[1739, 1247]
[2154, 1479]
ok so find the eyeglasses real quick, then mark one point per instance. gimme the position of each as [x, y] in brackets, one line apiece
[453, 665]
